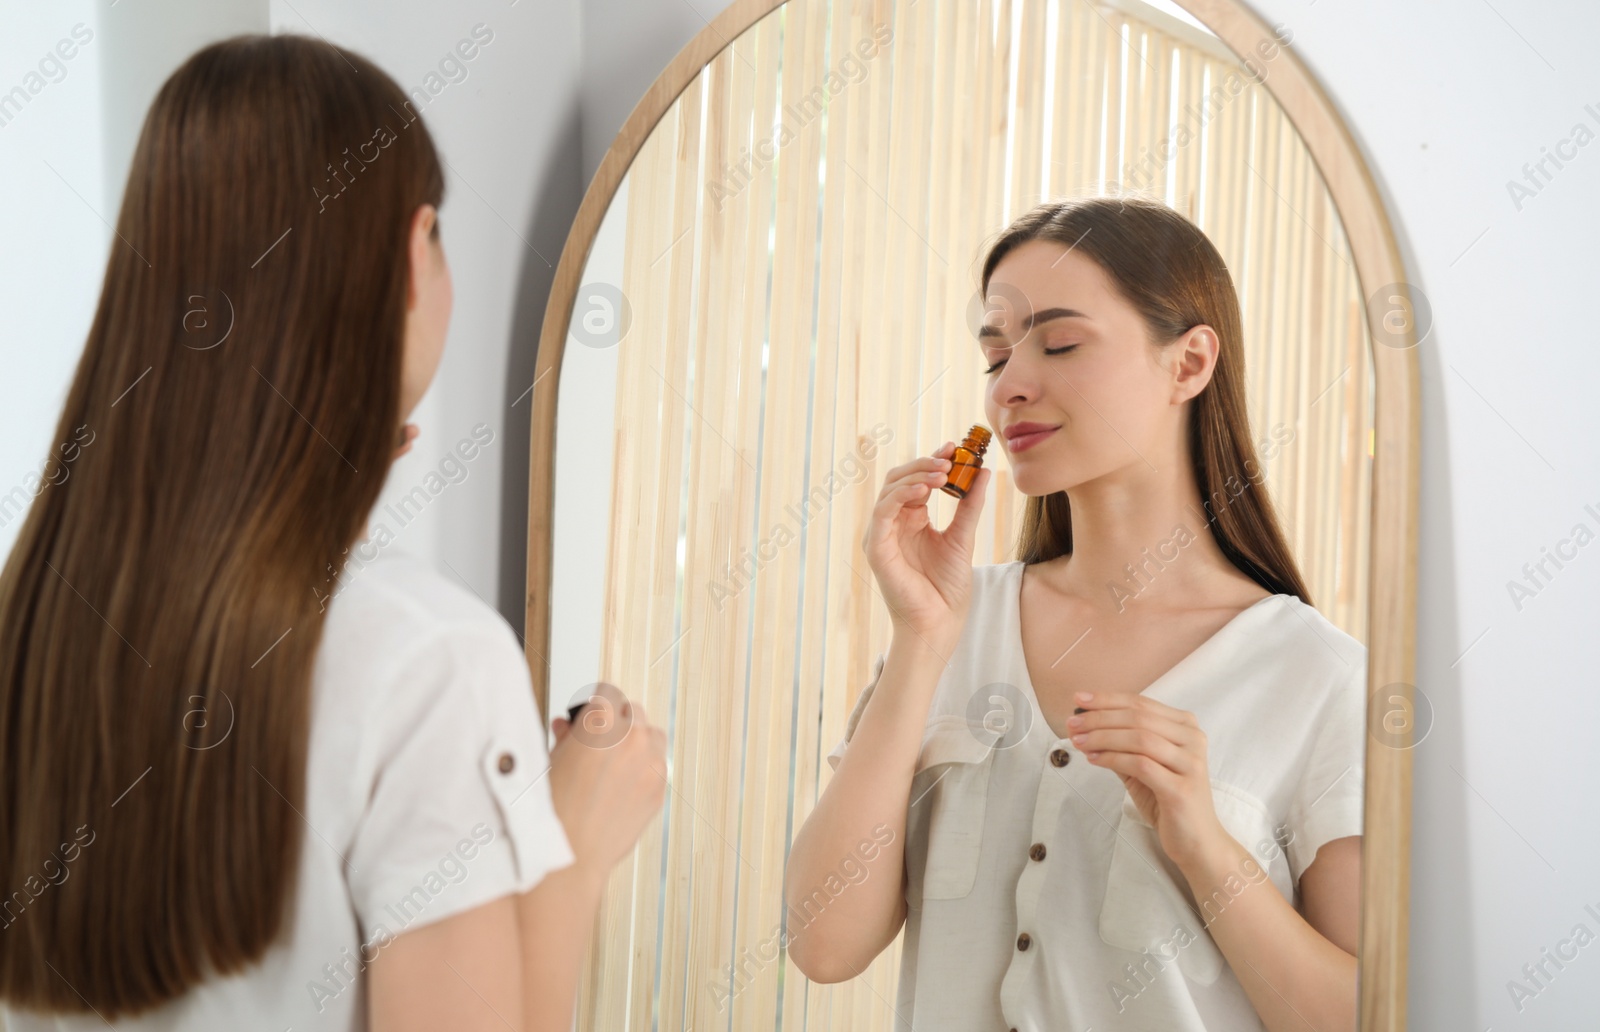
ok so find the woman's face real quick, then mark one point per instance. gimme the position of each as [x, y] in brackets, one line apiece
[1116, 399]
[428, 308]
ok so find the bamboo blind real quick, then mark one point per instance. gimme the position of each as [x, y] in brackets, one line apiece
[799, 330]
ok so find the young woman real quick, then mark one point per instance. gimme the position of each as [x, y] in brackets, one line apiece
[244, 784]
[1076, 771]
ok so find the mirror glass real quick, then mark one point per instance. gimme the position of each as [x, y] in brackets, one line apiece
[780, 305]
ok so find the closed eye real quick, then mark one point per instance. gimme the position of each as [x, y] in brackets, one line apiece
[1048, 351]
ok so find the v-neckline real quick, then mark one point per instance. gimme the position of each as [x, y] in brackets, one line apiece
[1027, 678]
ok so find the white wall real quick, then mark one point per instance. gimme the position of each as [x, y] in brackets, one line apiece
[52, 239]
[64, 160]
[1448, 104]
[508, 129]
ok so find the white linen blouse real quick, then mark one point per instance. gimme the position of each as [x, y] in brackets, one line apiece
[1039, 899]
[425, 797]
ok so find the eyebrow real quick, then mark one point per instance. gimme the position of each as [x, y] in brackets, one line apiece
[1044, 315]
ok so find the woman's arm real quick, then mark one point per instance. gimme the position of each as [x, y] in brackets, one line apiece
[1330, 893]
[463, 972]
[1298, 975]
[1299, 972]
[925, 578]
[831, 941]
[511, 964]
[557, 918]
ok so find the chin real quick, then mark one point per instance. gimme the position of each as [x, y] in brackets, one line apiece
[1033, 482]
[1037, 480]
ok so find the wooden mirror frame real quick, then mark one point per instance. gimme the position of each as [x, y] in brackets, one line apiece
[1391, 628]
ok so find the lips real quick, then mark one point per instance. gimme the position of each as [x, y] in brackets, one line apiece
[1027, 439]
[1025, 434]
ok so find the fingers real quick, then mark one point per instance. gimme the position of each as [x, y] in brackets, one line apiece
[939, 460]
[964, 524]
[909, 490]
[1172, 713]
[599, 722]
[1136, 742]
[910, 485]
[611, 713]
[1124, 722]
[1123, 709]
[1153, 774]
[916, 479]
[928, 479]
[914, 493]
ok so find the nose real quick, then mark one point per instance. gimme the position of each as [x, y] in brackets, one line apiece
[1015, 385]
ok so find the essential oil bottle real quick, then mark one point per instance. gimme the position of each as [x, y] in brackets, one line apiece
[966, 461]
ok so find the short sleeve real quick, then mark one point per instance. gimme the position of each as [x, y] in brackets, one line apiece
[1327, 803]
[837, 755]
[460, 810]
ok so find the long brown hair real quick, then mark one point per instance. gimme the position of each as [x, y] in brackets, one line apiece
[232, 420]
[1173, 276]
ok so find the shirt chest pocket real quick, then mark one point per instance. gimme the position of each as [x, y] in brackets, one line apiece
[1148, 903]
[949, 793]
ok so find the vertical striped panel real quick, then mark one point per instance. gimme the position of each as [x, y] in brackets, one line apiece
[1140, 152]
[709, 705]
[665, 703]
[1028, 114]
[1294, 387]
[947, 346]
[1162, 147]
[649, 231]
[745, 422]
[1116, 64]
[762, 834]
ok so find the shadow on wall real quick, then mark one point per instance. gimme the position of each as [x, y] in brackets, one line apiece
[1441, 870]
[558, 191]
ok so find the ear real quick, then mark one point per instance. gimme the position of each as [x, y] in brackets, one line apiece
[419, 248]
[1194, 359]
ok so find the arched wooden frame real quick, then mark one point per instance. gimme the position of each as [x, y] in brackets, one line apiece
[1391, 644]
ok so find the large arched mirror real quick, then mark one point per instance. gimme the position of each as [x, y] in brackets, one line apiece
[770, 297]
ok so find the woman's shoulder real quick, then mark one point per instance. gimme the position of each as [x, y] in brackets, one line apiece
[991, 576]
[413, 664]
[399, 598]
[1313, 645]
[399, 634]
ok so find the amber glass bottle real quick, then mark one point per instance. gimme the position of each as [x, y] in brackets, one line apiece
[966, 461]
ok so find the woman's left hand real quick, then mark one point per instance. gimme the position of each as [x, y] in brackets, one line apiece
[1160, 754]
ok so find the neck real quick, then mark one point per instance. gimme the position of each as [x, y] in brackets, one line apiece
[1140, 539]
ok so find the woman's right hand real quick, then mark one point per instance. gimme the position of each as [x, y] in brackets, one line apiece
[608, 778]
[925, 574]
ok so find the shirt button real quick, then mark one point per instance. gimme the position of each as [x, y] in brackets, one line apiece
[1036, 851]
[507, 763]
[1060, 757]
[1024, 941]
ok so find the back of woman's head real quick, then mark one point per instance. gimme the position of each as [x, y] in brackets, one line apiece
[226, 434]
[1166, 268]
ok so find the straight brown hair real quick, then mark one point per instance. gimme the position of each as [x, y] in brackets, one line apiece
[1170, 272]
[162, 607]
